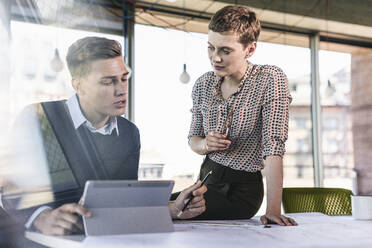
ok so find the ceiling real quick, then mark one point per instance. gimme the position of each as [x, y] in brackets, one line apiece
[333, 20]
[343, 21]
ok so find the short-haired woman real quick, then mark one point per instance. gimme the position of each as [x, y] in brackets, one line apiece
[240, 122]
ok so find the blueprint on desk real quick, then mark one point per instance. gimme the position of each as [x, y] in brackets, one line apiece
[314, 230]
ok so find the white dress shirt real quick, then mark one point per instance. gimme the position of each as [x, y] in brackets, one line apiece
[79, 119]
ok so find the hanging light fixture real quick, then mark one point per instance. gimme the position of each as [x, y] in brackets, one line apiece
[56, 63]
[330, 90]
[184, 77]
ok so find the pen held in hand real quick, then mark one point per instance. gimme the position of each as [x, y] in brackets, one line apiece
[192, 196]
[227, 131]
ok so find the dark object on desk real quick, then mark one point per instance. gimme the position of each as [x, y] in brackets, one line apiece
[8, 230]
[127, 206]
[12, 234]
[330, 201]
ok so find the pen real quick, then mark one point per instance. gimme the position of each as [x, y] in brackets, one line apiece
[227, 131]
[192, 196]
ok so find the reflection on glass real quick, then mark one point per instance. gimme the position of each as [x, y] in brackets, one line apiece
[23, 166]
[162, 103]
[335, 92]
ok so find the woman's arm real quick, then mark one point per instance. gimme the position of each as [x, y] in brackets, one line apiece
[274, 185]
[198, 145]
[275, 117]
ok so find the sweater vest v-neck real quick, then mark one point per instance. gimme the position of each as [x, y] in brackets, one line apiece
[115, 157]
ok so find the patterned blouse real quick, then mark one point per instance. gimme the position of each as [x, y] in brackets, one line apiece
[259, 112]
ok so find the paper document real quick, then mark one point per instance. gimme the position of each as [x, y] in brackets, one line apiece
[314, 230]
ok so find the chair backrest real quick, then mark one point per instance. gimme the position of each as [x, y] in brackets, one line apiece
[330, 201]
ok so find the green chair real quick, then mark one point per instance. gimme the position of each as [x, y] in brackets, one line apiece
[330, 201]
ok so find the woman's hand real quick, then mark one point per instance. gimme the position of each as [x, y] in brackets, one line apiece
[277, 219]
[215, 141]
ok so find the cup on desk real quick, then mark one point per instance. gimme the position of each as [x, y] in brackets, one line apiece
[361, 207]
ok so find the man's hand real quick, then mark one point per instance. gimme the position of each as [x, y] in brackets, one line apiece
[64, 220]
[195, 207]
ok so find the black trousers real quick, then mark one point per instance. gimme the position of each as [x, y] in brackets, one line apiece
[232, 194]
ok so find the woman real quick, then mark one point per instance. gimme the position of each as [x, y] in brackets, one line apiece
[240, 122]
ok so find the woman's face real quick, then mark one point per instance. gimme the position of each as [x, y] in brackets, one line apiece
[227, 55]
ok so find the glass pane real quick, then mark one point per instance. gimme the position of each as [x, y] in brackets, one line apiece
[163, 103]
[341, 111]
[33, 49]
[295, 62]
[34, 79]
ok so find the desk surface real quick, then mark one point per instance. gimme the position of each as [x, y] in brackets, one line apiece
[314, 230]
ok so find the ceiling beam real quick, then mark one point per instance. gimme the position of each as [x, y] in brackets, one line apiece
[346, 11]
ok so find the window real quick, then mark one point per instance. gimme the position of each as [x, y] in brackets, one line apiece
[295, 62]
[336, 78]
[33, 80]
[300, 122]
[303, 145]
[330, 146]
[330, 123]
[32, 49]
[163, 103]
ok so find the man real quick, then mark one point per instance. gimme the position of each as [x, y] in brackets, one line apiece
[86, 138]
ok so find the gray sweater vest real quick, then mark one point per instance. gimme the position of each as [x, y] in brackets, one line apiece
[102, 157]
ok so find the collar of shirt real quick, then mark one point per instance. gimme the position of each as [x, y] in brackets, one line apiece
[79, 119]
[217, 87]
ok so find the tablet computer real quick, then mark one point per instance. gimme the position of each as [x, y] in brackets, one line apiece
[121, 207]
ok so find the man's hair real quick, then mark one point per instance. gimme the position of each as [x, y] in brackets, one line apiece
[239, 20]
[84, 51]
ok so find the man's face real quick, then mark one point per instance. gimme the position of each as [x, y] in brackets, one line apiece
[103, 91]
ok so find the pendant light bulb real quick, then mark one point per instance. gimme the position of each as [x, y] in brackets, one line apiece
[184, 77]
[330, 90]
[56, 63]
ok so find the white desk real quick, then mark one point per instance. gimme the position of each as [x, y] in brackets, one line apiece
[314, 230]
